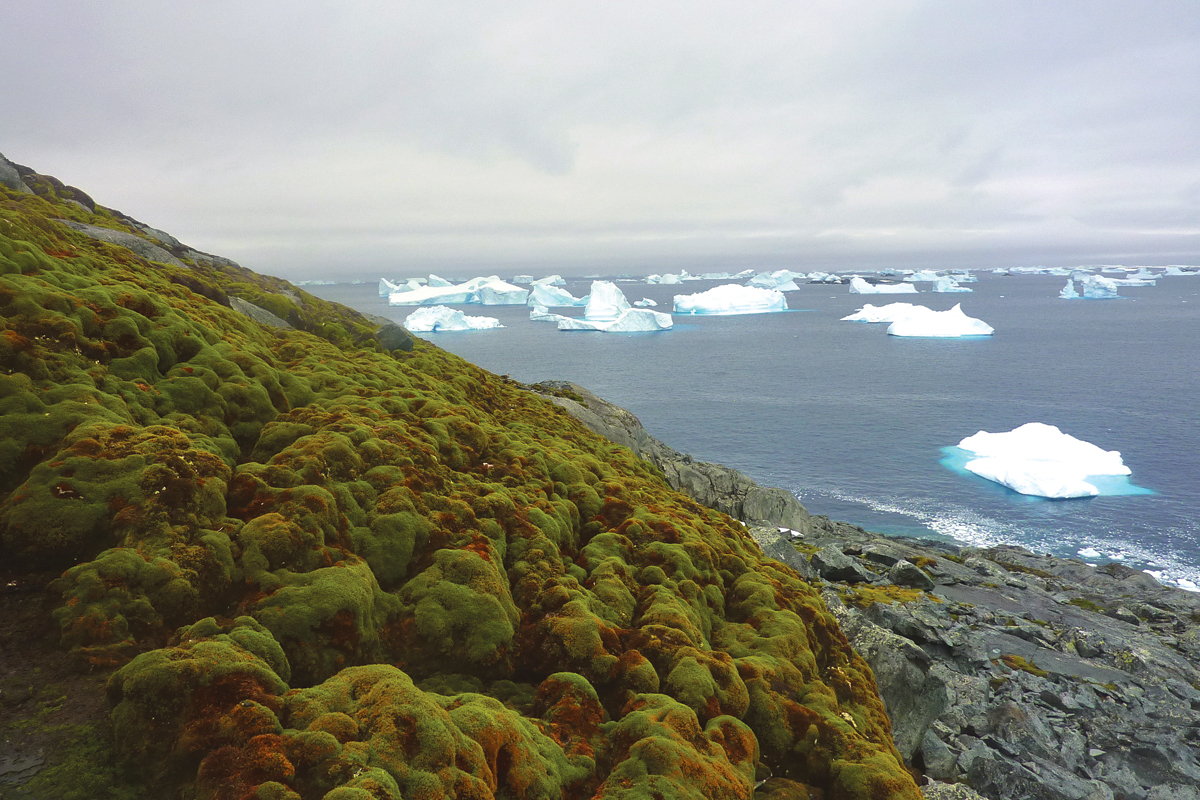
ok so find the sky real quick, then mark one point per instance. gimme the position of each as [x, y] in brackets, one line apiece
[366, 139]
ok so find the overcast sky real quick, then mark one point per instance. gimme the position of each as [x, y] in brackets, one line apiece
[356, 139]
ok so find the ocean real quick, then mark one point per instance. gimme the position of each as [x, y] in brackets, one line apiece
[857, 423]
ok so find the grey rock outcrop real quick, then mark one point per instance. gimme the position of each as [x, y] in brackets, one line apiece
[145, 249]
[394, 337]
[712, 485]
[10, 178]
[1013, 674]
[257, 313]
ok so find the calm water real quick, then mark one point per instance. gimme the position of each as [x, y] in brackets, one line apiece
[854, 421]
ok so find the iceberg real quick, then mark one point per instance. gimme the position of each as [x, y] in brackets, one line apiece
[1068, 292]
[551, 280]
[924, 275]
[523, 279]
[1179, 272]
[1039, 459]
[543, 314]
[605, 303]
[948, 284]
[645, 302]
[823, 277]
[489, 291]
[631, 320]
[731, 299]
[889, 313]
[926, 322]
[782, 279]
[1097, 287]
[544, 294]
[860, 286]
[434, 280]
[433, 319]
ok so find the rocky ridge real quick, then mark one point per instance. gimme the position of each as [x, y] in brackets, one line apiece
[1004, 672]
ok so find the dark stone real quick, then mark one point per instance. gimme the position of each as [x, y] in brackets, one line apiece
[905, 573]
[833, 565]
[394, 337]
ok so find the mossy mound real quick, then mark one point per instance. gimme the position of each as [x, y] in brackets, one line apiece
[334, 570]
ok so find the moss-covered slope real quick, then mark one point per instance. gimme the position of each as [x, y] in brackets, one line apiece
[319, 569]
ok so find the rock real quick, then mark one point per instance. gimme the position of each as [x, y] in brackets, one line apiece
[938, 759]
[259, 315]
[11, 178]
[833, 565]
[145, 249]
[905, 573]
[950, 791]
[392, 337]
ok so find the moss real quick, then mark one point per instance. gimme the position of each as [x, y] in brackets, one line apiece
[259, 517]
[1018, 662]
[1086, 604]
[863, 596]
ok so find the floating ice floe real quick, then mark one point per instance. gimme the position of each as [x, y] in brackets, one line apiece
[1176, 271]
[551, 280]
[731, 299]
[1038, 459]
[523, 280]
[823, 277]
[489, 291]
[1068, 292]
[544, 294]
[645, 302]
[860, 286]
[433, 319]
[926, 322]
[947, 284]
[924, 275]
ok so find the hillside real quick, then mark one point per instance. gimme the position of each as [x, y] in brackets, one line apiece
[287, 554]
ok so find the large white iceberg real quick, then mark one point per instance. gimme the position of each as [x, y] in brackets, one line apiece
[605, 303]
[860, 286]
[544, 294]
[1039, 459]
[731, 299]
[922, 321]
[1097, 287]
[439, 318]
[947, 284]
[489, 291]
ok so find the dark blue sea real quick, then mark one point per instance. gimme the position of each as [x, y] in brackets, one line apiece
[855, 422]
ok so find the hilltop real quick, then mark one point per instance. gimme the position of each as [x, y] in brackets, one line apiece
[260, 545]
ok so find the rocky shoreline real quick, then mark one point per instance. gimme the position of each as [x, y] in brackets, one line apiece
[1005, 673]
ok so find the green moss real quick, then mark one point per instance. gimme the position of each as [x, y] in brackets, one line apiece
[1018, 662]
[1086, 604]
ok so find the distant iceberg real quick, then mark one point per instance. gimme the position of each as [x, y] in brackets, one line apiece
[889, 313]
[673, 279]
[782, 279]
[924, 275]
[1068, 292]
[489, 291]
[731, 299]
[434, 280]
[1097, 287]
[523, 280]
[947, 284]
[1038, 459]
[823, 277]
[1178, 272]
[860, 286]
[645, 302]
[631, 320]
[434, 319]
[551, 280]
[550, 296]
[926, 322]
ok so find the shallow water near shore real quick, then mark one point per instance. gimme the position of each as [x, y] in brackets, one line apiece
[855, 421]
